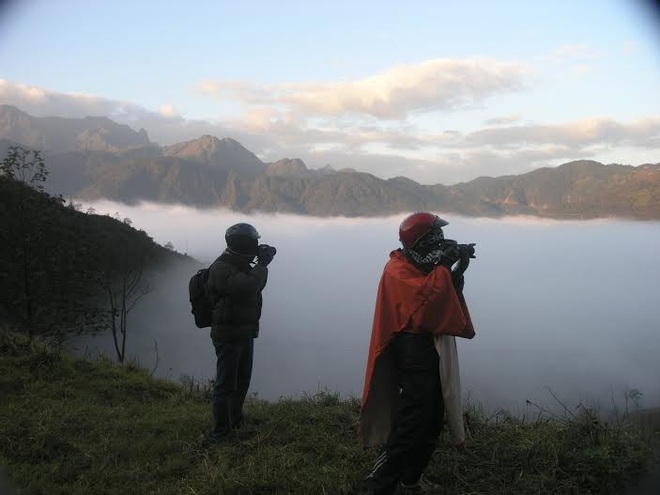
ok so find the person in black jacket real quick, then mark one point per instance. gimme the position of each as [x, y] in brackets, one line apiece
[234, 286]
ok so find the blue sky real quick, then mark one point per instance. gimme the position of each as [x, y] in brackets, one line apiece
[437, 91]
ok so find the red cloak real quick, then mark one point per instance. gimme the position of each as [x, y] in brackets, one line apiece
[411, 301]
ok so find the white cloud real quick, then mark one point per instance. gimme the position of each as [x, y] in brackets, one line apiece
[41, 102]
[440, 84]
[577, 134]
[168, 111]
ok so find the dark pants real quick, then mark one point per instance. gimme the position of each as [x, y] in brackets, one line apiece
[233, 374]
[416, 425]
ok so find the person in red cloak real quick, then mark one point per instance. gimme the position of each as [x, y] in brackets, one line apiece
[419, 297]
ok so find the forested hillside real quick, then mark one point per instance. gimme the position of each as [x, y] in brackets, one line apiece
[62, 269]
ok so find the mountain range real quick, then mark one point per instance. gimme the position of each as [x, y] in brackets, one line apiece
[94, 158]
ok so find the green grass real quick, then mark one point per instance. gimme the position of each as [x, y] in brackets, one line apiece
[78, 427]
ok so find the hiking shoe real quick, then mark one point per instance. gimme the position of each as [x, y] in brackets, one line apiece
[424, 485]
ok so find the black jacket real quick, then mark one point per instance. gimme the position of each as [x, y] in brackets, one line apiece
[235, 288]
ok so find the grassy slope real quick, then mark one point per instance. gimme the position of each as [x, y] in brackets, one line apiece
[77, 427]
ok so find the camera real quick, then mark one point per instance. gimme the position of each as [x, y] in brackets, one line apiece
[265, 254]
[467, 250]
[455, 251]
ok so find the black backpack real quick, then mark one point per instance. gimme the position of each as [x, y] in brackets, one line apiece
[202, 307]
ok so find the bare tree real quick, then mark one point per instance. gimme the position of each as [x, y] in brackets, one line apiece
[26, 166]
[124, 286]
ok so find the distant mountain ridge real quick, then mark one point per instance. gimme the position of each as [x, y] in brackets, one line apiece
[94, 158]
[65, 134]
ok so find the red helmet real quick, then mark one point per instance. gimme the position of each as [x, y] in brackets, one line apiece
[416, 226]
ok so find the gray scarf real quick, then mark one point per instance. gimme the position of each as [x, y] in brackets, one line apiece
[425, 262]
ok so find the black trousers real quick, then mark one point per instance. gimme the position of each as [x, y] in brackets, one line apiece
[232, 381]
[416, 425]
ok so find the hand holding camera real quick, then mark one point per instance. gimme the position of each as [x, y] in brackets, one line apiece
[467, 250]
[265, 254]
[453, 252]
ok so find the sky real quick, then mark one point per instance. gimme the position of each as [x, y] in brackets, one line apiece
[550, 307]
[437, 91]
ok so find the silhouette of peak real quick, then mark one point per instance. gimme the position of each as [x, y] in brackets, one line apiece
[287, 166]
[223, 153]
[204, 146]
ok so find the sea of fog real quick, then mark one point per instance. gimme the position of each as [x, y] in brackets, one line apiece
[564, 308]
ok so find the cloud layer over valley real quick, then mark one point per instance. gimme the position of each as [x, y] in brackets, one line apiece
[565, 305]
